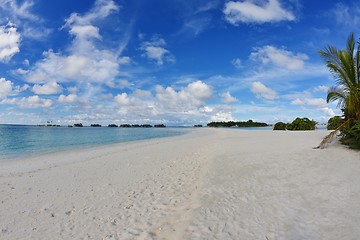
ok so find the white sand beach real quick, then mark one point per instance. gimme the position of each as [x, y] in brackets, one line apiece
[209, 184]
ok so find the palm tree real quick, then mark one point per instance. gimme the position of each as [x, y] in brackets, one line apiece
[345, 66]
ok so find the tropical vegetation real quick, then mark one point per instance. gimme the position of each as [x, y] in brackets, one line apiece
[345, 66]
[334, 123]
[249, 123]
[159, 125]
[280, 126]
[352, 135]
[301, 124]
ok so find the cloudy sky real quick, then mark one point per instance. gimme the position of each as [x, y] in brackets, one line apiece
[168, 61]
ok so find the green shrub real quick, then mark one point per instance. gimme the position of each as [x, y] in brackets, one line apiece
[280, 126]
[249, 123]
[351, 135]
[301, 124]
[334, 122]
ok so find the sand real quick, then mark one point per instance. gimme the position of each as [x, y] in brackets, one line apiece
[209, 184]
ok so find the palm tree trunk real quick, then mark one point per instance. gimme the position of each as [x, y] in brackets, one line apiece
[331, 135]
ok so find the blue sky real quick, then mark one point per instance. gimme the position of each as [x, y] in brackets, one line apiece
[168, 61]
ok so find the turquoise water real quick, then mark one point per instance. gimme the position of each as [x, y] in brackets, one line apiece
[19, 141]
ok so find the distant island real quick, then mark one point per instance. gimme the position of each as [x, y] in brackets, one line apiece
[249, 123]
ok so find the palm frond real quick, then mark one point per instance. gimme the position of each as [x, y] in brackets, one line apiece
[336, 94]
[350, 44]
[345, 67]
[357, 62]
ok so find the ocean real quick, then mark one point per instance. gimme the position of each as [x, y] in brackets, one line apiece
[17, 141]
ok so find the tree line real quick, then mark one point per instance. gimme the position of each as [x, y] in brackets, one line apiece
[249, 123]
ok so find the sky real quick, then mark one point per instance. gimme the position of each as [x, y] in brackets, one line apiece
[175, 62]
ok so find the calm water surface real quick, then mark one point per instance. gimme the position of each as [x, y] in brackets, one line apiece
[19, 141]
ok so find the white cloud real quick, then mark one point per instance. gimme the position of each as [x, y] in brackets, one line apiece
[195, 25]
[252, 12]
[279, 57]
[221, 117]
[318, 103]
[35, 102]
[85, 32]
[154, 50]
[29, 102]
[48, 88]
[9, 101]
[347, 15]
[227, 98]
[189, 104]
[85, 62]
[139, 104]
[185, 105]
[156, 53]
[123, 99]
[298, 102]
[142, 94]
[328, 111]
[22, 11]
[190, 100]
[72, 89]
[315, 102]
[31, 25]
[101, 9]
[71, 98]
[74, 65]
[121, 84]
[6, 88]
[9, 42]
[199, 90]
[321, 89]
[270, 75]
[237, 63]
[39, 33]
[196, 17]
[261, 91]
[83, 27]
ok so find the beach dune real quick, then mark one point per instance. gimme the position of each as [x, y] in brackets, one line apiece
[208, 184]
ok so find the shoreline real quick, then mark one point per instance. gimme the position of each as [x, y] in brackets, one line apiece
[34, 152]
[76, 154]
[39, 153]
[209, 183]
[64, 149]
